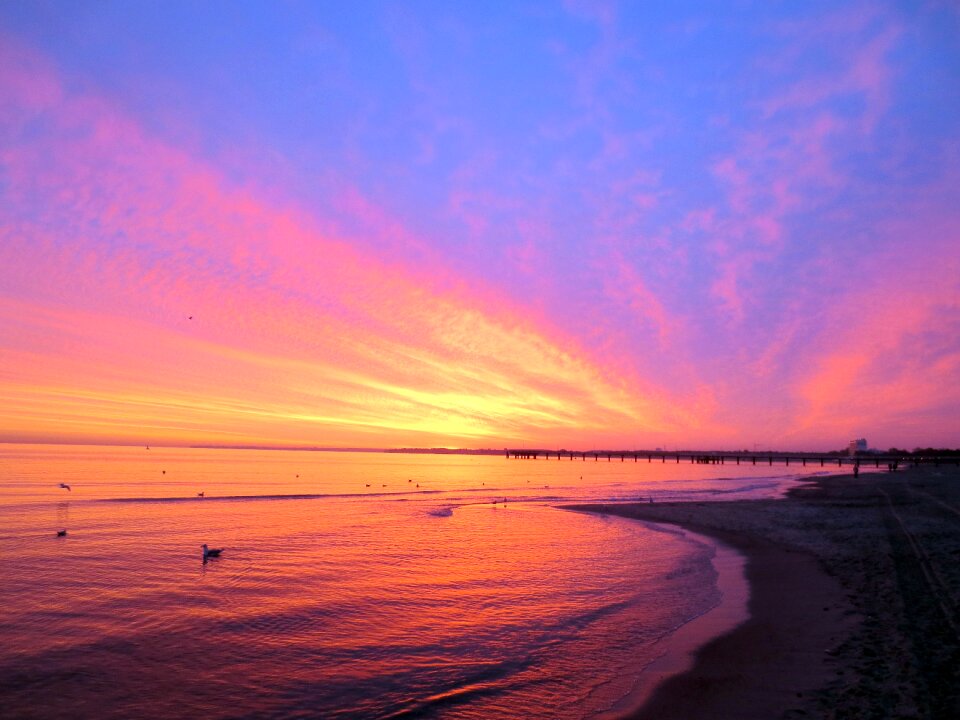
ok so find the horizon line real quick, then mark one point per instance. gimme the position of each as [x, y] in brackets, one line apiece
[448, 450]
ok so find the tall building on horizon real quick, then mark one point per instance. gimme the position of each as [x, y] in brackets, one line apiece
[858, 445]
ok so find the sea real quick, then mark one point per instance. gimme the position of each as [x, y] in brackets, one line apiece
[350, 584]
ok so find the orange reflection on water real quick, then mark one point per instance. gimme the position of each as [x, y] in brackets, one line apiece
[342, 598]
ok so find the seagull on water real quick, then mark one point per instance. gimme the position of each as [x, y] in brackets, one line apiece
[200, 494]
[211, 552]
[65, 486]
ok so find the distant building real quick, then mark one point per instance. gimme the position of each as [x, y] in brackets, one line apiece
[858, 445]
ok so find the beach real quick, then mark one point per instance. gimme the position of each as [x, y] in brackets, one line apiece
[853, 601]
[359, 585]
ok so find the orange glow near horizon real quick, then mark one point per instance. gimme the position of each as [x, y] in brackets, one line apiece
[131, 382]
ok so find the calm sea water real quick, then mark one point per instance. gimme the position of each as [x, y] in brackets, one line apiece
[352, 585]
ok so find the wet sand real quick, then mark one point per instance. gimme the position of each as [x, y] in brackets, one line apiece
[854, 590]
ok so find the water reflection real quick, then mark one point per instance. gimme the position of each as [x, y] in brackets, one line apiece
[332, 600]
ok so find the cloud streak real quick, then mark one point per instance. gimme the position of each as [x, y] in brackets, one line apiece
[176, 306]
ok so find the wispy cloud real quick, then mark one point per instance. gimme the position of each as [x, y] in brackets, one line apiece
[217, 315]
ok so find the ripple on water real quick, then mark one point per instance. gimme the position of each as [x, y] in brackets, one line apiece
[342, 605]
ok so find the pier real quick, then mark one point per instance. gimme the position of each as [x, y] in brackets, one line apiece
[714, 457]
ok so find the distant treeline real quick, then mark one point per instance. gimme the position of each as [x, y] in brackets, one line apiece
[928, 452]
[916, 452]
[446, 451]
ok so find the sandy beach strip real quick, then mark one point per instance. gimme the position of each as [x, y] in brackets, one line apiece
[853, 610]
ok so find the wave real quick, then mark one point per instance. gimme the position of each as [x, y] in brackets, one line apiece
[737, 489]
[660, 491]
[404, 495]
[487, 680]
[246, 498]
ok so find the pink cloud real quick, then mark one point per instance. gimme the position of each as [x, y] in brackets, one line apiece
[774, 169]
[890, 364]
[625, 286]
[184, 304]
[864, 64]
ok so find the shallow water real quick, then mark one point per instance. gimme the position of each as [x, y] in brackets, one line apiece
[344, 589]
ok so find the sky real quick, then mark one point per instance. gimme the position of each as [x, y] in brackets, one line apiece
[582, 225]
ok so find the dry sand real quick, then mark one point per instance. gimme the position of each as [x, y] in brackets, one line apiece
[854, 595]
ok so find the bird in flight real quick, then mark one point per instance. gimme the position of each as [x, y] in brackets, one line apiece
[65, 486]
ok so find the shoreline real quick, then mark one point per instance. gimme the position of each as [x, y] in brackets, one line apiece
[843, 619]
[681, 646]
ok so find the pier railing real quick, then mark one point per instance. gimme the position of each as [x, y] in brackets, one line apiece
[723, 457]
